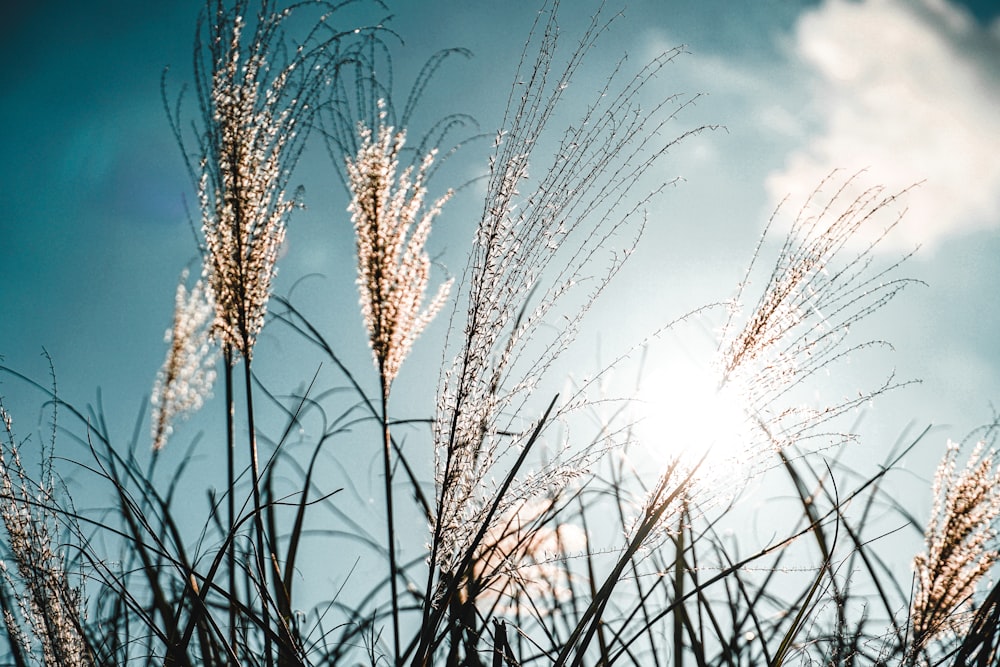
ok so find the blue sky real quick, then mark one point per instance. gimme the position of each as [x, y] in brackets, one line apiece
[95, 232]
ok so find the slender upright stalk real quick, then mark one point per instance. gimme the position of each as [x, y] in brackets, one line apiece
[390, 525]
[258, 518]
[679, 586]
[231, 489]
[393, 272]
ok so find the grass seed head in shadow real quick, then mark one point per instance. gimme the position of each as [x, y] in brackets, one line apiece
[520, 557]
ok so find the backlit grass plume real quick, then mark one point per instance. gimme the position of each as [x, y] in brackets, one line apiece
[822, 284]
[961, 544]
[43, 611]
[392, 225]
[256, 97]
[533, 252]
[544, 250]
[186, 378]
[242, 187]
[393, 271]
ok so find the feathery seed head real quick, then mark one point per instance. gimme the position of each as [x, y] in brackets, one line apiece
[250, 125]
[187, 374]
[815, 294]
[391, 231]
[960, 543]
[51, 608]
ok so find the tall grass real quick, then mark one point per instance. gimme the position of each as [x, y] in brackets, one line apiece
[541, 539]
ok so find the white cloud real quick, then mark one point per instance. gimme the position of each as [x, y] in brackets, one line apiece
[910, 90]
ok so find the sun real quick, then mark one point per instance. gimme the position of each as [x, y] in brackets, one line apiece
[684, 412]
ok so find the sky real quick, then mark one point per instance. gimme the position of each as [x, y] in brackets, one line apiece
[93, 191]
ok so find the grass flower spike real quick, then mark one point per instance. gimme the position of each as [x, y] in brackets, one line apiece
[960, 539]
[37, 590]
[818, 289]
[393, 268]
[243, 174]
[393, 271]
[186, 378]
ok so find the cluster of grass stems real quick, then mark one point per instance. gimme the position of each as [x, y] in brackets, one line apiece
[537, 542]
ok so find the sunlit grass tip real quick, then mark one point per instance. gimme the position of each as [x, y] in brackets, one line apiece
[960, 544]
[186, 377]
[392, 224]
[43, 611]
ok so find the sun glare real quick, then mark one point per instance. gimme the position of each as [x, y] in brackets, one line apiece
[683, 412]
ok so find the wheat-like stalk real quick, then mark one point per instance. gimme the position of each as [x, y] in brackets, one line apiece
[241, 191]
[960, 544]
[392, 225]
[187, 374]
[257, 95]
[822, 285]
[51, 608]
